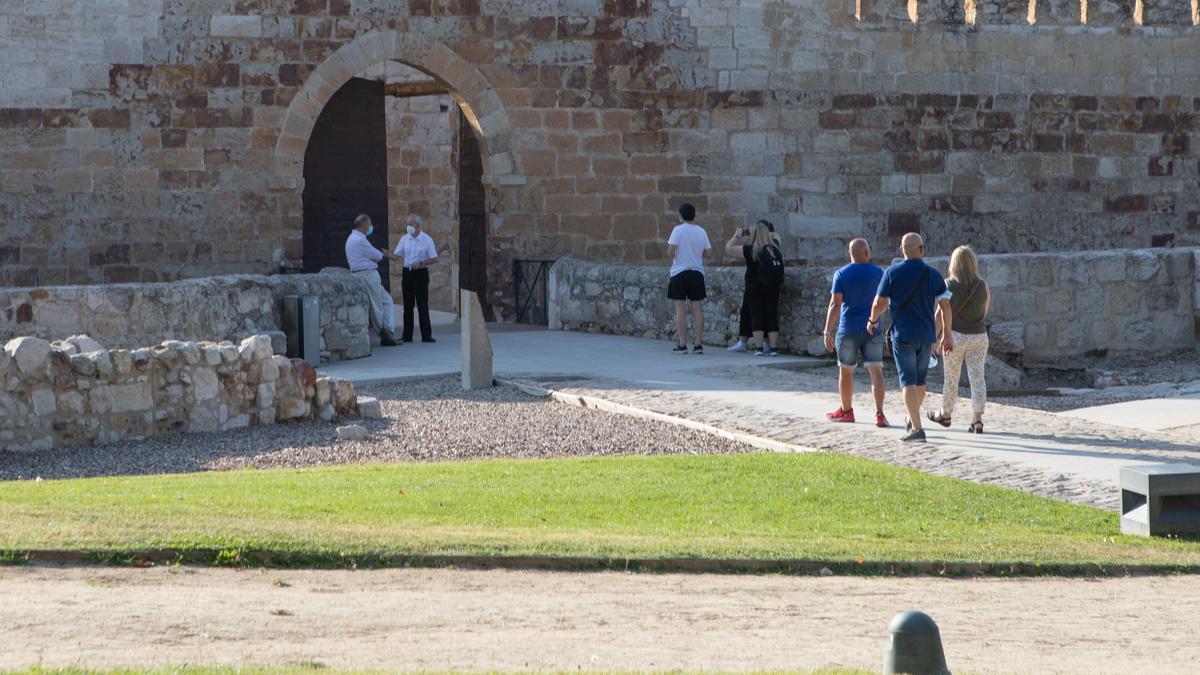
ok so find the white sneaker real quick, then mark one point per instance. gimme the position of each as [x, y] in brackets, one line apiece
[738, 346]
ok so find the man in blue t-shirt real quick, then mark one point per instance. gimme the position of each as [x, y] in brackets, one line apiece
[914, 290]
[854, 289]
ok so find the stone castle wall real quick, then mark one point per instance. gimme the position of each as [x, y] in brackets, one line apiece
[1044, 307]
[215, 308]
[150, 140]
[56, 395]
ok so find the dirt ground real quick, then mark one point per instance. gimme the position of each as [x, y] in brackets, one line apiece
[510, 620]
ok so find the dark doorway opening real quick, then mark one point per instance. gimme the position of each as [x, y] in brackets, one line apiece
[345, 174]
[472, 217]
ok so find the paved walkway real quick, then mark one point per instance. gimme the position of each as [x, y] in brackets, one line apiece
[1071, 458]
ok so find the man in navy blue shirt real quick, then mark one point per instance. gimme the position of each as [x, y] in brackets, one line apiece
[914, 291]
[850, 301]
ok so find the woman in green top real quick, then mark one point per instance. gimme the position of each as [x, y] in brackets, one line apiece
[969, 308]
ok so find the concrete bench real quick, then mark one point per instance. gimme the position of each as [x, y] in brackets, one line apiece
[1159, 499]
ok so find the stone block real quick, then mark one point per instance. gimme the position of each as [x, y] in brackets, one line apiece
[1143, 265]
[352, 432]
[236, 26]
[475, 347]
[1007, 337]
[32, 355]
[1108, 267]
[134, 397]
[205, 385]
[369, 408]
[84, 344]
[44, 402]
[1160, 499]
[1001, 376]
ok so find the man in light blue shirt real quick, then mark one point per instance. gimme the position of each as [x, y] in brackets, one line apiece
[363, 259]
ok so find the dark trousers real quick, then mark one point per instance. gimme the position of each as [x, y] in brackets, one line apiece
[416, 291]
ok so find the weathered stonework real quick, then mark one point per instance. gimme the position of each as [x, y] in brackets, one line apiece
[1044, 307]
[55, 395]
[152, 140]
[221, 308]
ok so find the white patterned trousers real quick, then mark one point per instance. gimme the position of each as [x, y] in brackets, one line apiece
[970, 349]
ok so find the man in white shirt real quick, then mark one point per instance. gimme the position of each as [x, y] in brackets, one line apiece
[363, 259]
[418, 252]
[687, 246]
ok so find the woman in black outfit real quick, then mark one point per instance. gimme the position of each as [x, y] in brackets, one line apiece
[760, 301]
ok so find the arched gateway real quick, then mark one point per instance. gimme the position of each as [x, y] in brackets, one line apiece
[484, 117]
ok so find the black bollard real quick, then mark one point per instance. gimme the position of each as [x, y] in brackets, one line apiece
[916, 646]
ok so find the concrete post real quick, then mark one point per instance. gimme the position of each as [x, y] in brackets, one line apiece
[475, 346]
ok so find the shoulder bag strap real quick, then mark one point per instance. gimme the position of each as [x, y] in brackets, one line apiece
[954, 310]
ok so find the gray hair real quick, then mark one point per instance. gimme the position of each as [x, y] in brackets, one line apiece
[362, 220]
[416, 220]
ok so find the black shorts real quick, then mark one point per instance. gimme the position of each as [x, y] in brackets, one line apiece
[687, 285]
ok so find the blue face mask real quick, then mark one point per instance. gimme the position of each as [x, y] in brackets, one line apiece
[370, 230]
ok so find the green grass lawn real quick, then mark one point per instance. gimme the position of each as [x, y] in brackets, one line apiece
[767, 506]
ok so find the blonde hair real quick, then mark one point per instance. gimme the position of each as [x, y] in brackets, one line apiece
[762, 237]
[964, 267]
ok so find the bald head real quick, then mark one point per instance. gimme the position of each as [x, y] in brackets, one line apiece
[912, 246]
[860, 251]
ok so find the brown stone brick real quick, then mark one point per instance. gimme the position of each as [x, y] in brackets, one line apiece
[610, 167]
[1047, 143]
[1193, 221]
[110, 254]
[1125, 204]
[216, 75]
[1157, 123]
[627, 8]
[538, 162]
[899, 224]
[1175, 144]
[680, 184]
[175, 77]
[650, 141]
[1084, 103]
[1166, 239]
[837, 119]
[308, 7]
[656, 165]
[1160, 166]
[109, 118]
[920, 162]
[174, 138]
[853, 101]
[122, 274]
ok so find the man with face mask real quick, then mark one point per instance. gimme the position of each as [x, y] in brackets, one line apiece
[363, 259]
[418, 252]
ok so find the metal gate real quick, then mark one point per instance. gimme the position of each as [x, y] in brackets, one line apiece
[531, 282]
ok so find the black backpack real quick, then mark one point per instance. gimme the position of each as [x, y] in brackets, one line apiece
[770, 267]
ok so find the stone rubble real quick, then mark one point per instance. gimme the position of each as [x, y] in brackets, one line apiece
[54, 394]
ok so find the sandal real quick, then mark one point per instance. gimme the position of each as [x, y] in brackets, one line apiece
[941, 419]
[975, 428]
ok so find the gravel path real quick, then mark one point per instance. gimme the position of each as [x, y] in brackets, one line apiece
[440, 620]
[424, 420]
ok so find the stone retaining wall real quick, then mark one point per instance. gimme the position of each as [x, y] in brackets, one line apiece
[58, 394]
[220, 308]
[1045, 307]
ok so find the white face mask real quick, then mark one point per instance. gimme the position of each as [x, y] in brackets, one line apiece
[410, 229]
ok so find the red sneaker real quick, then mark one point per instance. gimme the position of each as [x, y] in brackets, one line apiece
[836, 414]
[846, 416]
[880, 420]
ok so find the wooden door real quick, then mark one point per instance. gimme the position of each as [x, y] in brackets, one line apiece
[472, 217]
[345, 174]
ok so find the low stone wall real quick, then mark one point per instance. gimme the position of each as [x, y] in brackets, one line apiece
[55, 394]
[1044, 306]
[216, 308]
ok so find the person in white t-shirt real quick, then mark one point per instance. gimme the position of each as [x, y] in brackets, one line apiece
[687, 246]
[417, 250]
